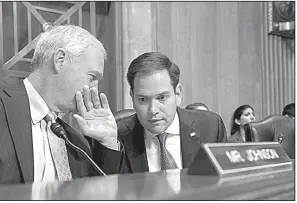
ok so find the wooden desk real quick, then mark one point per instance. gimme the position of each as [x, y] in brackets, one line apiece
[165, 185]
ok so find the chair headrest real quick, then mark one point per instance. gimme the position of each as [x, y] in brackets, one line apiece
[274, 128]
[123, 114]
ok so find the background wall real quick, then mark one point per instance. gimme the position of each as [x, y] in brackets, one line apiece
[221, 49]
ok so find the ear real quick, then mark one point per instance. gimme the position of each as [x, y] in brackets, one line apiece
[178, 93]
[60, 60]
[132, 97]
[237, 121]
[131, 93]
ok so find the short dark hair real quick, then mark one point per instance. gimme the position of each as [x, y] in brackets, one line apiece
[289, 110]
[236, 115]
[151, 62]
[195, 106]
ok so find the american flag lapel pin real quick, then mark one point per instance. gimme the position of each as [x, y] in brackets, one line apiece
[192, 134]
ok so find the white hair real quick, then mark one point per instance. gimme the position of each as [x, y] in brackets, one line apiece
[75, 40]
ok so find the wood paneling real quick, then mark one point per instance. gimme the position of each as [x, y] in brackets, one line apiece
[137, 38]
[226, 61]
[1, 35]
[249, 56]
[278, 69]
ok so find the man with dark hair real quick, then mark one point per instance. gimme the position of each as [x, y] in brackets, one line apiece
[289, 110]
[161, 135]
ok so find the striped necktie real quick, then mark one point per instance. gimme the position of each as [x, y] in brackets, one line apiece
[167, 161]
[58, 150]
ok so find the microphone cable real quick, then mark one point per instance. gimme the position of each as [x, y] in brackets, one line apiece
[60, 132]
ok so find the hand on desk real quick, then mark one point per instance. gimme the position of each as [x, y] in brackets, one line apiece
[95, 118]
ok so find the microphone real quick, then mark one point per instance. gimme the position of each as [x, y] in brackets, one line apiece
[61, 133]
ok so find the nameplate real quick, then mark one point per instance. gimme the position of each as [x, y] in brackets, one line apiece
[239, 158]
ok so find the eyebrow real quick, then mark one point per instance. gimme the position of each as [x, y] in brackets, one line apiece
[162, 93]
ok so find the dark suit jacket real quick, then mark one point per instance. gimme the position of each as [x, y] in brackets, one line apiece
[208, 127]
[16, 148]
[235, 138]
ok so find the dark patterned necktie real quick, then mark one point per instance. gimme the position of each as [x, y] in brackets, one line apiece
[167, 161]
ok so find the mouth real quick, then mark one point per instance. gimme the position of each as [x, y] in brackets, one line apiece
[155, 121]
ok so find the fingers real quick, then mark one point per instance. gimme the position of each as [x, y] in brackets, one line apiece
[87, 98]
[82, 124]
[104, 101]
[80, 104]
[95, 98]
[90, 100]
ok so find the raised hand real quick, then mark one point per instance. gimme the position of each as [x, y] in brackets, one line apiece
[95, 118]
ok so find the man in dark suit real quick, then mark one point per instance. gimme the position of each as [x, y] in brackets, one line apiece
[161, 135]
[66, 65]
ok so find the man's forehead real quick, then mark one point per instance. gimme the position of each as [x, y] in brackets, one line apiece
[142, 89]
[152, 94]
[153, 74]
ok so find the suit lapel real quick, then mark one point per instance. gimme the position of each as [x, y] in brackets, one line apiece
[135, 146]
[75, 137]
[190, 137]
[19, 122]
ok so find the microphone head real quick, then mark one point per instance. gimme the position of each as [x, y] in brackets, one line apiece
[58, 130]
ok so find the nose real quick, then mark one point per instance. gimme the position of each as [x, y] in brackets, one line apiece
[153, 107]
[252, 117]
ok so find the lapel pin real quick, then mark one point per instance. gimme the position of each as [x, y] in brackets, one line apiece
[192, 134]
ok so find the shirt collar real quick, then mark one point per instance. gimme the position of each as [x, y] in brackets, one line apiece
[172, 129]
[38, 107]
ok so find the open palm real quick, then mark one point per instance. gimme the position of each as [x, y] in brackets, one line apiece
[95, 118]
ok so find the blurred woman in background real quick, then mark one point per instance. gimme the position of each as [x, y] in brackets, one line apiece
[242, 115]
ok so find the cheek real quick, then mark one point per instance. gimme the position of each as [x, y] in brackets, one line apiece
[169, 108]
[71, 88]
[74, 86]
[79, 83]
[245, 120]
[141, 110]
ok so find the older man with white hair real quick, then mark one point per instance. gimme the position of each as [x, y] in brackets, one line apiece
[68, 62]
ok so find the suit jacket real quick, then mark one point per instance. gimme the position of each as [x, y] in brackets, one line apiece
[208, 127]
[16, 147]
[235, 138]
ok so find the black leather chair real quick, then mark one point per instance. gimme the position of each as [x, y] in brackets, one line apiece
[123, 114]
[275, 128]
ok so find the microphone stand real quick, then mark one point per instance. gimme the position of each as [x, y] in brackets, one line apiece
[60, 132]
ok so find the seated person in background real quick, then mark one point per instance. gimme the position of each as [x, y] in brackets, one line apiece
[289, 110]
[197, 106]
[242, 115]
[67, 61]
[161, 135]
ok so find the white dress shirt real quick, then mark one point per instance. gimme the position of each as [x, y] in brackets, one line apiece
[44, 168]
[152, 146]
